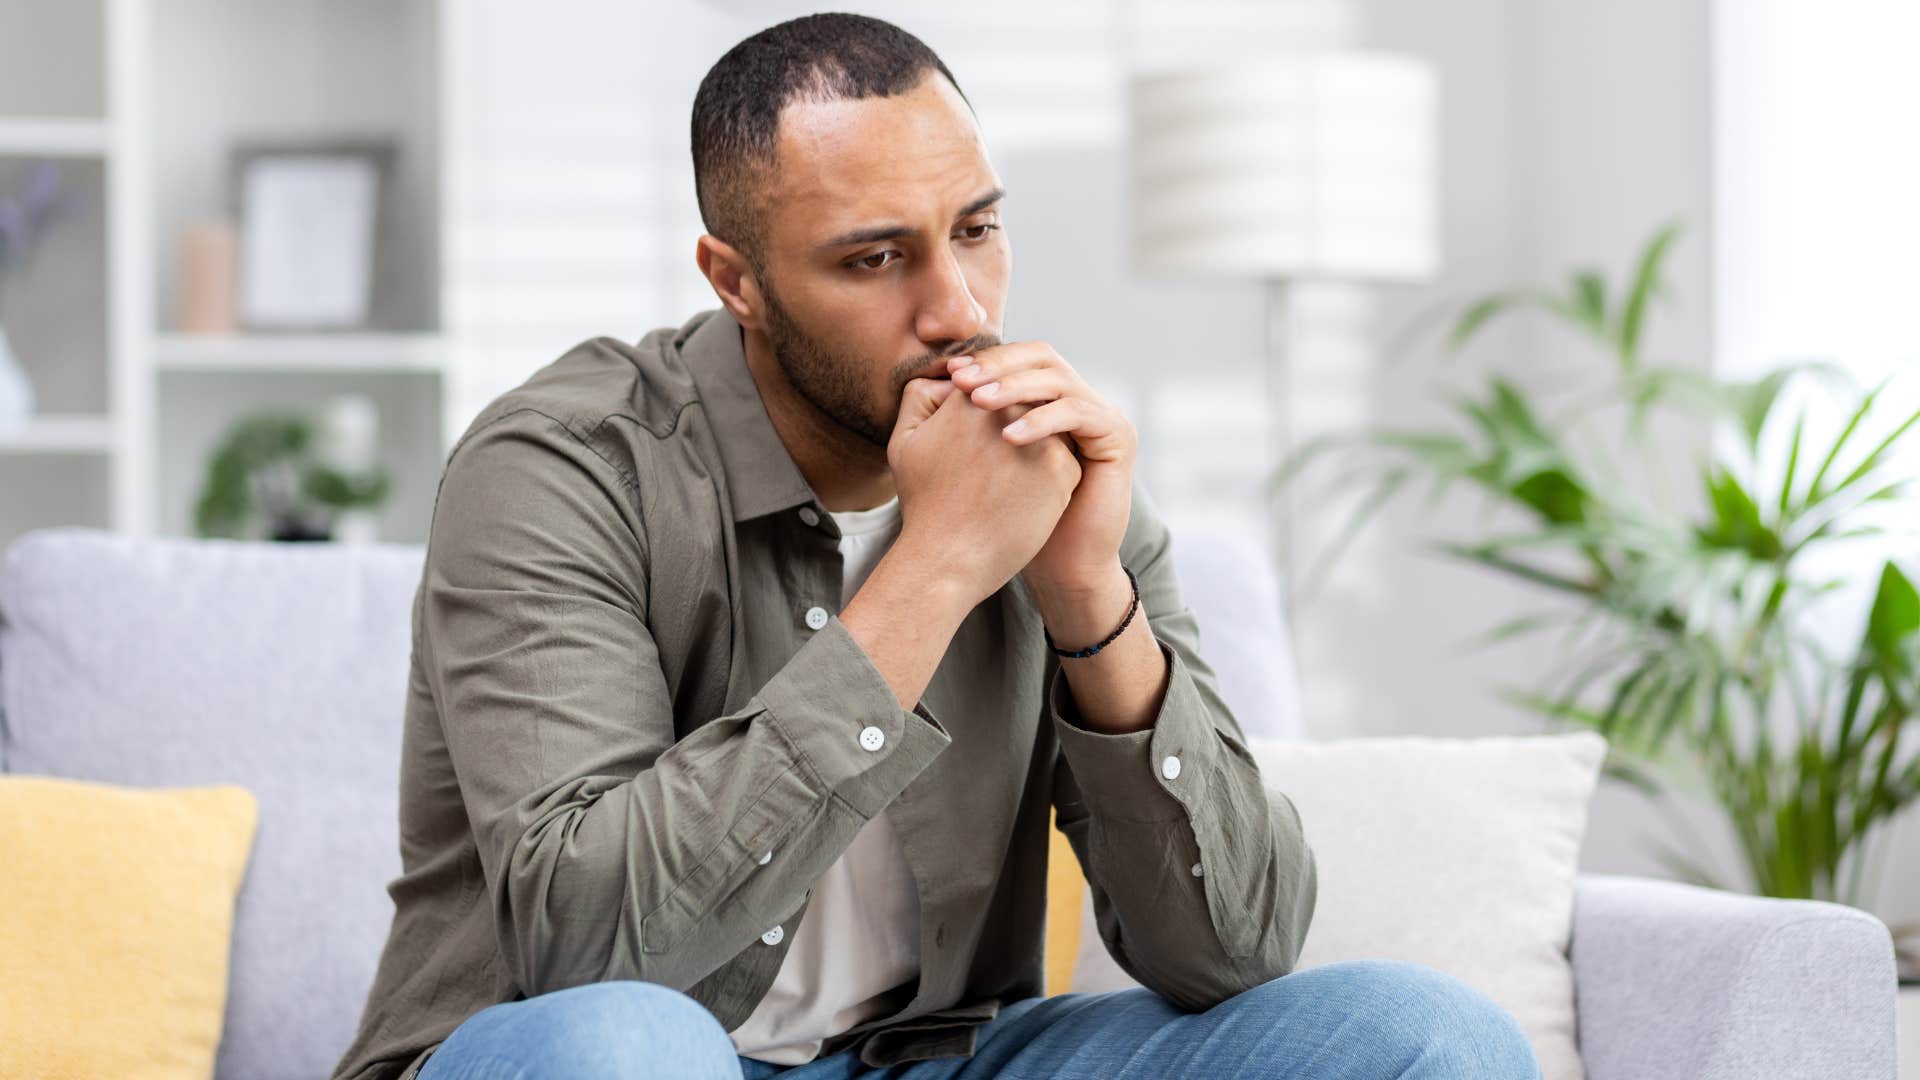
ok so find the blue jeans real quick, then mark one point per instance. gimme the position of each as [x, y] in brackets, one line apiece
[1352, 1020]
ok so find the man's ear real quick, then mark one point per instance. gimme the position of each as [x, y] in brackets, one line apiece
[728, 271]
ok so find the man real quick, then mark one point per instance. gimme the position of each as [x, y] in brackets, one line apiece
[750, 659]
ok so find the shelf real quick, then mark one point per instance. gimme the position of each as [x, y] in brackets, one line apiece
[28, 137]
[320, 353]
[57, 434]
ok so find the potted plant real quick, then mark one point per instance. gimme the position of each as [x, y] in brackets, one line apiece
[265, 476]
[1692, 627]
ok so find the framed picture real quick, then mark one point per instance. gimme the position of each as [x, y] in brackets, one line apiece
[310, 217]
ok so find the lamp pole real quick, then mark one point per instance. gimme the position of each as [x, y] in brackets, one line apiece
[1279, 504]
[1290, 168]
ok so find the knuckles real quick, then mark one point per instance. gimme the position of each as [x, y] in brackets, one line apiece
[1062, 465]
[1046, 356]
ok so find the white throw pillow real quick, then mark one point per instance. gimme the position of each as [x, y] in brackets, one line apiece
[1455, 853]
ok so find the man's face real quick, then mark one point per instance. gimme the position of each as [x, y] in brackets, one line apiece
[884, 252]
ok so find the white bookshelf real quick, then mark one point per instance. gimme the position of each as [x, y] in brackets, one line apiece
[142, 101]
[24, 136]
[313, 353]
[56, 434]
[61, 100]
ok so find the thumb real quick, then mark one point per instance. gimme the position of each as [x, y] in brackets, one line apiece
[919, 399]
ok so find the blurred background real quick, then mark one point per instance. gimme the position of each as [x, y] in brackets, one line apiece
[1623, 275]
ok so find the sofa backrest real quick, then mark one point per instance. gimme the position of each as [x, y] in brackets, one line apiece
[1230, 584]
[282, 667]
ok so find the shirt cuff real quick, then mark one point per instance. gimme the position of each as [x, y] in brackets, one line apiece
[1158, 773]
[846, 727]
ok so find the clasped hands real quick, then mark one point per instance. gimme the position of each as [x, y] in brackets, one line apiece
[1058, 441]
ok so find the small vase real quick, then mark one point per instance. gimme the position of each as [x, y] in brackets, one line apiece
[16, 391]
[357, 527]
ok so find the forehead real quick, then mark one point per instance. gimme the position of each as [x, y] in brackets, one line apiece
[847, 163]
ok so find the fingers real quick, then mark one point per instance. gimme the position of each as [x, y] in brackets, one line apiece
[1101, 431]
[918, 400]
[990, 364]
[1024, 371]
[1032, 386]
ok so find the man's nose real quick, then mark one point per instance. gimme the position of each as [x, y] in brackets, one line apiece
[949, 312]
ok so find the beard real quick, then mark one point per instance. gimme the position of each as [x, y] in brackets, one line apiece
[836, 384]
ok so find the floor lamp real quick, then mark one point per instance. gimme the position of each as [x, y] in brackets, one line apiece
[1286, 167]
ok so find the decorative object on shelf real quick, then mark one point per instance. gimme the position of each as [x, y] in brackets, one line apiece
[1290, 167]
[24, 218]
[1701, 630]
[275, 476]
[310, 217]
[208, 261]
[348, 444]
[16, 390]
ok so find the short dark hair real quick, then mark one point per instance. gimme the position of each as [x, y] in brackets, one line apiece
[830, 56]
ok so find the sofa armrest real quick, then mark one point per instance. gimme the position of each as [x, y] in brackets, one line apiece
[1677, 980]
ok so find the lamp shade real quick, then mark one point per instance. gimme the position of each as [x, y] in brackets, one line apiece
[1295, 164]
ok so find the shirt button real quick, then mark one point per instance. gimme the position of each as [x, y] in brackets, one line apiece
[765, 858]
[1196, 870]
[872, 738]
[816, 617]
[1170, 768]
[807, 515]
[773, 936]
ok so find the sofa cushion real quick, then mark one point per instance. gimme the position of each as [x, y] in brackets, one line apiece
[1457, 853]
[115, 925]
[280, 667]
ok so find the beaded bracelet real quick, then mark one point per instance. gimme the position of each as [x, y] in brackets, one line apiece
[1090, 650]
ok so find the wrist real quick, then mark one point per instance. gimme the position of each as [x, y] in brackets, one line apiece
[937, 583]
[1083, 612]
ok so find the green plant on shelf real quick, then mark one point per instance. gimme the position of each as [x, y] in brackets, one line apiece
[1692, 632]
[265, 480]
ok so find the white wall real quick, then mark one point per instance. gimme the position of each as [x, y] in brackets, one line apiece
[1821, 253]
[1819, 250]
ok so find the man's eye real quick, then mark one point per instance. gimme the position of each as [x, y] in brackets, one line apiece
[867, 264]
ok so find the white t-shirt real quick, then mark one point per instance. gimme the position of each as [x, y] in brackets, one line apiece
[861, 934]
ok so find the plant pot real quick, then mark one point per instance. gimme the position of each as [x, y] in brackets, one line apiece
[357, 527]
[298, 532]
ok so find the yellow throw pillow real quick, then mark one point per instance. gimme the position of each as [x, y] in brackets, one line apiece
[1066, 888]
[116, 917]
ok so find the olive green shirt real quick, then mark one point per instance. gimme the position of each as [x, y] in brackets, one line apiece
[637, 732]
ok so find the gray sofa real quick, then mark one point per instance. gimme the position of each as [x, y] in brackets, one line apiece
[281, 667]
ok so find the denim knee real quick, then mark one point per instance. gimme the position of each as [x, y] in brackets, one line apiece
[618, 1028]
[1430, 1022]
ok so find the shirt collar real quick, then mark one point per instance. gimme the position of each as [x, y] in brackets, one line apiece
[761, 474]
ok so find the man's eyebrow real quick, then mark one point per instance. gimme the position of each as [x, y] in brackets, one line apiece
[876, 233]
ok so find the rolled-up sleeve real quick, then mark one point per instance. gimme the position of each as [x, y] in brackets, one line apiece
[609, 849]
[1202, 877]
